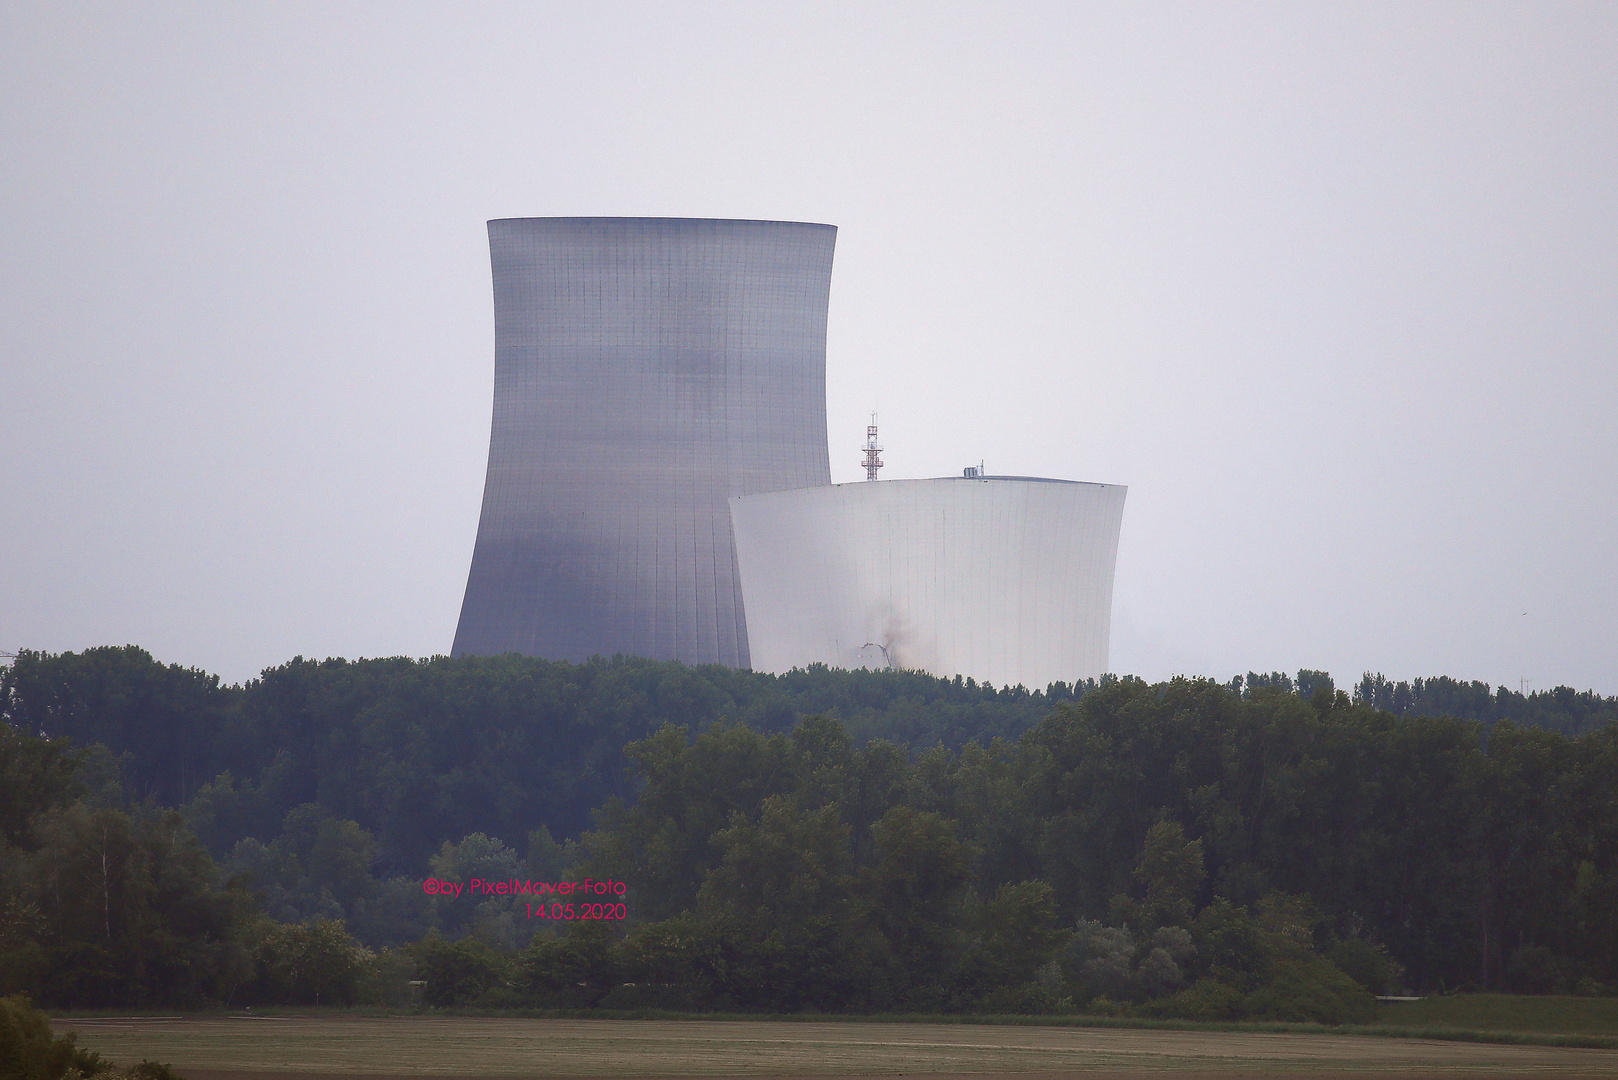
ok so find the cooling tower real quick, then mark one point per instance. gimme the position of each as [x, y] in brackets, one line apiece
[1004, 579]
[646, 370]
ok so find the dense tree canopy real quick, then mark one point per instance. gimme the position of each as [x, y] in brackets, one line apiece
[1560, 709]
[422, 751]
[1468, 859]
[828, 840]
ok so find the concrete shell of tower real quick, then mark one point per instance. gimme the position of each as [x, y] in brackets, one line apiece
[646, 371]
[1007, 580]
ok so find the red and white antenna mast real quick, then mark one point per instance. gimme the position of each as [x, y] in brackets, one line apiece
[872, 463]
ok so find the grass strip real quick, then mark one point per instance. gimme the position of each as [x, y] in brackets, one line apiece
[1385, 1031]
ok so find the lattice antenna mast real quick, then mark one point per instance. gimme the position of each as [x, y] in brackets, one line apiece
[872, 462]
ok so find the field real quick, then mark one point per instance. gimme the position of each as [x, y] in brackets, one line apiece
[347, 1047]
[1506, 1012]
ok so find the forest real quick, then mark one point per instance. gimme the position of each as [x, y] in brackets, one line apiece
[837, 841]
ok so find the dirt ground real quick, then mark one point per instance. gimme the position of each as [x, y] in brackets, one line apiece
[410, 1048]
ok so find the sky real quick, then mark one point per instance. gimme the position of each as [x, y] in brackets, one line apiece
[1333, 288]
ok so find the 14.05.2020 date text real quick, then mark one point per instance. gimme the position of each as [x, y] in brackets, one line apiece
[559, 910]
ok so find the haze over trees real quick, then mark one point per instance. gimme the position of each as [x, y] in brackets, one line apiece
[824, 839]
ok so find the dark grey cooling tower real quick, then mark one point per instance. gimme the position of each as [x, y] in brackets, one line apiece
[646, 369]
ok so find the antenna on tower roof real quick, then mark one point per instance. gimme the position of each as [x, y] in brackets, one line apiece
[872, 463]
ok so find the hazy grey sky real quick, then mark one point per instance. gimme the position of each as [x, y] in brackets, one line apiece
[1332, 288]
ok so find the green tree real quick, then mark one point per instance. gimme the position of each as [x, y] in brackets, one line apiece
[914, 895]
[312, 963]
[458, 972]
[162, 718]
[132, 911]
[36, 776]
[572, 969]
[665, 845]
[1171, 872]
[1017, 934]
[781, 898]
[29, 1050]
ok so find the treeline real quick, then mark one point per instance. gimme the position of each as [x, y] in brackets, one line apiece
[421, 751]
[1380, 842]
[1562, 709]
[417, 752]
[1267, 847]
[101, 906]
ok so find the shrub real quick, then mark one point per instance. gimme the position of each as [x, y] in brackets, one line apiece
[388, 980]
[1311, 989]
[1588, 987]
[1101, 959]
[1029, 1000]
[316, 962]
[457, 972]
[1368, 964]
[28, 1050]
[575, 969]
[1534, 969]
[1205, 999]
[153, 1070]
